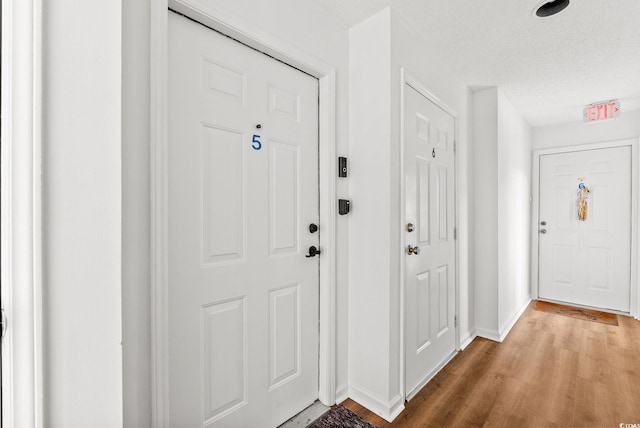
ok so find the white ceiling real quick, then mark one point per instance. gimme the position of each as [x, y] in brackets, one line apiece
[549, 68]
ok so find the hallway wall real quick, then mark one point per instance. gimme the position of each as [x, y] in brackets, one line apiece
[136, 270]
[502, 171]
[81, 111]
[576, 132]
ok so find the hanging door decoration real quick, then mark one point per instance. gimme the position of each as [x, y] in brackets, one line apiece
[583, 196]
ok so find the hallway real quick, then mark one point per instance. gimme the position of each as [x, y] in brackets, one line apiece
[94, 174]
[551, 371]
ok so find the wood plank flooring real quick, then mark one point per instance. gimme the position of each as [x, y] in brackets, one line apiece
[551, 371]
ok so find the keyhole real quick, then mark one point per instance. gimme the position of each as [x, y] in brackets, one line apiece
[433, 153]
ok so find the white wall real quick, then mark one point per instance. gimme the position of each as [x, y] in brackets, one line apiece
[136, 298]
[514, 213]
[82, 214]
[379, 47]
[485, 213]
[576, 132]
[312, 31]
[502, 213]
[370, 222]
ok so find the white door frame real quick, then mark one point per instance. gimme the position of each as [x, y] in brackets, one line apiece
[535, 208]
[22, 385]
[407, 78]
[253, 36]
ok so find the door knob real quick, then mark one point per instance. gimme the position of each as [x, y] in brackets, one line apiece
[543, 230]
[413, 250]
[410, 227]
[543, 223]
[312, 251]
[313, 228]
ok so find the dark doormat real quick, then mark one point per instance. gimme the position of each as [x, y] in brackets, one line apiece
[340, 416]
[580, 313]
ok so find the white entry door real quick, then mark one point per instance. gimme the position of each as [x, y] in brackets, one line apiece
[586, 262]
[430, 274]
[243, 190]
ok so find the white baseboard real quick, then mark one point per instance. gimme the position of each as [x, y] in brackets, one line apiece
[499, 336]
[467, 339]
[505, 331]
[388, 410]
[488, 334]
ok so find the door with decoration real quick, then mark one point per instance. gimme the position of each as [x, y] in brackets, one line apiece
[585, 228]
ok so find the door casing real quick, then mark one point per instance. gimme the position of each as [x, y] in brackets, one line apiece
[21, 218]
[248, 34]
[535, 212]
[407, 78]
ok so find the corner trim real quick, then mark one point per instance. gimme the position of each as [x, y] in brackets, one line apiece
[507, 329]
[467, 339]
[388, 410]
[500, 336]
[21, 218]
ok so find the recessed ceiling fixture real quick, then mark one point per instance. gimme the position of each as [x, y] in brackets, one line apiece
[551, 8]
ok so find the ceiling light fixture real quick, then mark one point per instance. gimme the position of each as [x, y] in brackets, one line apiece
[550, 8]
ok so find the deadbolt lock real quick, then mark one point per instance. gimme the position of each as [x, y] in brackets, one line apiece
[413, 250]
[410, 227]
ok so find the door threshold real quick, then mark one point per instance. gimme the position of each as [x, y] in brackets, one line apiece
[308, 415]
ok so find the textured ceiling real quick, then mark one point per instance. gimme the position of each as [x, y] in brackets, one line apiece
[549, 68]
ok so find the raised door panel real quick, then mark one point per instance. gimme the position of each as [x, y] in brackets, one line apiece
[563, 265]
[225, 82]
[284, 198]
[284, 335]
[223, 195]
[442, 308]
[224, 349]
[599, 264]
[442, 203]
[423, 310]
[598, 213]
[423, 205]
[284, 104]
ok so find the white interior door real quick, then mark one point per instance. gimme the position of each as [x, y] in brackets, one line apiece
[243, 190]
[586, 262]
[429, 275]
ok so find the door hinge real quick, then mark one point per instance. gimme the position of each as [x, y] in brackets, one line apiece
[455, 321]
[455, 147]
[455, 233]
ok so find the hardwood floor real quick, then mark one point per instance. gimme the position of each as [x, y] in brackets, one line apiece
[551, 371]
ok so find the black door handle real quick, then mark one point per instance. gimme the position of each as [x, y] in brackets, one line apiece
[312, 251]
